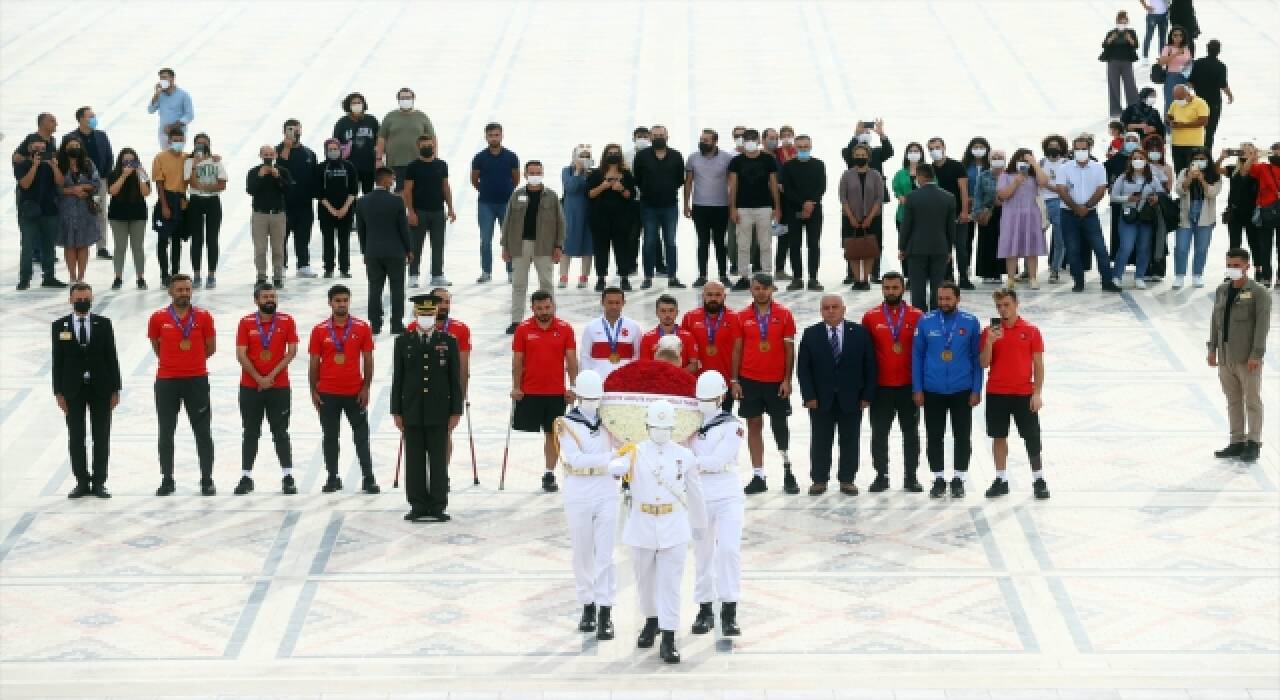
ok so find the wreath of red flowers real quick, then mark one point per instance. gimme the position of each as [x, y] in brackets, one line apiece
[651, 377]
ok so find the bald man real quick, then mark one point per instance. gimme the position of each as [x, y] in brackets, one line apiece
[1188, 116]
[717, 333]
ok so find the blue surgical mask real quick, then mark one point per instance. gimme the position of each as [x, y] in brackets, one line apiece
[803, 155]
[176, 146]
[1130, 146]
[93, 122]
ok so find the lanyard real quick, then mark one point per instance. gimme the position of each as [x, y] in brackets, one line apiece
[191, 321]
[762, 322]
[264, 336]
[948, 333]
[713, 328]
[895, 324]
[339, 346]
[611, 333]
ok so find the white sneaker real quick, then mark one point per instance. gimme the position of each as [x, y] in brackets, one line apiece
[1139, 283]
[306, 272]
[1197, 280]
[413, 281]
[440, 282]
[1178, 281]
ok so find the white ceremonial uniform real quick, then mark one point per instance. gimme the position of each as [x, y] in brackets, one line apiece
[717, 552]
[590, 504]
[666, 506]
[594, 346]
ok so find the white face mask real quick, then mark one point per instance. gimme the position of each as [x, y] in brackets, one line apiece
[936, 153]
[1120, 27]
[426, 323]
[788, 141]
[591, 406]
[737, 141]
[864, 138]
[535, 180]
[406, 104]
[709, 407]
[643, 144]
[357, 108]
[1138, 164]
[1234, 273]
[996, 164]
[164, 84]
[333, 155]
[660, 436]
[913, 156]
[751, 146]
[1199, 164]
[586, 162]
[978, 152]
[1082, 155]
[1180, 102]
[1155, 156]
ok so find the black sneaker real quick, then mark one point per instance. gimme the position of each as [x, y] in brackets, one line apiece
[756, 485]
[625, 284]
[207, 488]
[117, 283]
[142, 284]
[957, 488]
[742, 285]
[967, 285]
[245, 486]
[166, 487]
[789, 484]
[370, 485]
[781, 276]
[674, 283]
[328, 274]
[288, 486]
[1235, 449]
[511, 329]
[345, 275]
[939, 488]
[53, 283]
[796, 285]
[999, 487]
[1041, 489]
[1252, 450]
[549, 483]
[700, 283]
[23, 286]
[333, 483]
[881, 483]
[815, 286]
[647, 283]
[104, 254]
[912, 485]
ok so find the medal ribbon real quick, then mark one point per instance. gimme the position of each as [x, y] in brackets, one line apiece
[713, 328]
[895, 324]
[339, 346]
[191, 321]
[264, 336]
[611, 333]
[762, 322]
[445, 326]
[948, 333]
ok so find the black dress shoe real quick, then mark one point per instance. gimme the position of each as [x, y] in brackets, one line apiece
[599, 284]
[797, 284]
[705, 620]
[789, 484]
[647, 283]
[668, 650]
[370, 485]
[939, 489]
[207, 488]
[624, 284]
[100, 490]
[604, 624]
[1252, 450]
[1235, 449]
[647, 635]
[912, 485]
[815, 286]
[511, 329]
[245, 486]
[881, 483]
[756, 485]
[333, 483]
[549, 483]
[957, 488]
[417, 514]
[674, 283]
[80, 491]
[1077, 287]
[288, 486]
[1041, 489]
[588, 621]
[700, 283]
[998, 488]
[166, 487]
[729, 620]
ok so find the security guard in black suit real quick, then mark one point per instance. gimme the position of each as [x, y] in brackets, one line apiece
[86, 374]
[426, 390]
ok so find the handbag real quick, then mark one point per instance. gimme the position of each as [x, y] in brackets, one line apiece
[861, 246]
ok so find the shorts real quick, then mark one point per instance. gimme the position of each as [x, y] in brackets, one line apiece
[537, 413]
[1002, 407]
[759, 398]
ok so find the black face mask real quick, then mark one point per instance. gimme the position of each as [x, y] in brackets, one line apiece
[659, 143]
[612, 159]
[859, 162]
[267, 308]
[427, 151]
[706, 149]
[82, 306]
[266, 160]
[73, 152]
[1274, 160]
[1053, 152]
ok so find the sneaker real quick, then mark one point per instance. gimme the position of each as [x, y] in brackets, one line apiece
[53, 283]
[624, 284]
[781, 276]
[1033, 283]
[370, 485]
[413, 280]
[647, 283]
[881, 483]
[196, 282]
[756, 485]
[957, 488]
[484, 279]
[207, 488]
[245, 486]
[166, 487]
[1077, 287]
[104, 254]
[142, 284]
[563, 283]
[815, 286]
[742, 285]
[789, 484]
[674, 283]
[305, 272]
[549, 483]
[117, 283]
[1139, 283]
[278, 282]
[939, 488]
[23, 286]
[1041, 489]
[600, 284]
[1178, 281]
[288, 486]
[331, 484]
[1053, 277]
[345, 275]
[1197, 281]
[582, 282]
[328, 274]
[796, 285]
[999, 487]
[700, 283]
[1235, 449]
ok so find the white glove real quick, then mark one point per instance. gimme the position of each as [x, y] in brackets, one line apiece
[698, 534]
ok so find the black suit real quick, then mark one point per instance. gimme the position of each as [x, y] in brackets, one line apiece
[839, 383]
[384, 235]
[926, 237]
[426, 390]
[86, 376]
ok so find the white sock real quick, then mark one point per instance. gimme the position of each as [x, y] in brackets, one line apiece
[962, 476]
[288, 471]
[1003, 476]
[246, 473]
[1037, 474]
[757, 471]
[937, 476]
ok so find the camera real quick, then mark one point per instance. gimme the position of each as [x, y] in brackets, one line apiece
[1233, 152]
[868, 125]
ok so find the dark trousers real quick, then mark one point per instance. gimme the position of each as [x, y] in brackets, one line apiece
[1259, 241]
[1084, 231]
[963, 250]
[99, 409]
[824, 423]
[332, 407]
[801, 233]
[428, 222]
[611, 230]
[192, 394]
[385, 272]
[335, 234]
[274, 405]
[891, 402]
[366, 186]
[926, 271]
[424, 447]
[39, 234]
[203, 220]
[659, 238]
[1211, 128]
[1181, 157]
[168, 239]
[710, 224]
[298, 219]
[635, 229]
[936, 408]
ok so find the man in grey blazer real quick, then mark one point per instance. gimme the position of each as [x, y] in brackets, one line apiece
[384, 228]
[927, 235]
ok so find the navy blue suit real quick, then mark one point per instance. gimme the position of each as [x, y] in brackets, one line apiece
[839, 383]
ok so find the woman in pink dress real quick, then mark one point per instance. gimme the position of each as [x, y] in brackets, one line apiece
[1021, 224]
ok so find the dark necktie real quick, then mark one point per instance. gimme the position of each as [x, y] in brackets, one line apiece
[835, 344]
[84, 334]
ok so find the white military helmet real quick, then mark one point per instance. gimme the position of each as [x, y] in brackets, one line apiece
[711, 385]
[661, 414]
[588, 385]
[669, 341]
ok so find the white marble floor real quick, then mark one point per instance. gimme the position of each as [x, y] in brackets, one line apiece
[1152, 573]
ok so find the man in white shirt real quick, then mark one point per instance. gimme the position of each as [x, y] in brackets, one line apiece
[1081, 185]
[612, 340]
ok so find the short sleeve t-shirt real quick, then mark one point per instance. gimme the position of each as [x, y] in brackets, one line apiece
[753, 180]
[428, 178]
[43, 189]
[710, 178]
[1268, 177]
[767, 364]
[1012, 364]
[1193, 110]
[279, 332]
[688, 345]
[357, 139]
[174, 361]
[544, 353]
[495, 175]
[170, 168]
[208, 172]
[948, 176]
[726, 328]
[343, 379]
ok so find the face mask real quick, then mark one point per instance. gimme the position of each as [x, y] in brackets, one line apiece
[1199, 164]
[659, 143]
[788, 141]
[937, 153]
[267, 308]
[709, 407]
[82, 306]
[406, 104]
[1022, 167]
[738, 142]
[803, 155]
[427, 151]
[426, 322]
[1155, 156]
[1130, 146]
[1053, 152]
[997, 164]
[333, 154]
[1274, 160]
[266, 160]
[535, 180]
[73, 152]
[771, 144]
[1082, 155]
[591, 406]
[164, 84]
[1138, 164]
[914, 156]
[129, 164]
[860, 162]
[660, 436]
[200, 149]
[1180, 102]
[1234, 273]
[751, 146]
[357, 108]
[1120, 27]
[176, 147]
[978, 152]
[93, 122]
[612, 159]
[706, 149]
[642, 144]
[864, 138]
[586, 162]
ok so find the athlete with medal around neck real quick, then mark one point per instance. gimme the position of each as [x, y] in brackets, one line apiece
[266, 343]
[340, 373]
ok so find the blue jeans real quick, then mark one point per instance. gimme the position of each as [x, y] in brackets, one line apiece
[489, 213]
[38, 233]
[1155, 22]
[1202, 236]
[1057, 248]
[653, 219]
[1171, 81]
[1139, 233]
[1087, 231]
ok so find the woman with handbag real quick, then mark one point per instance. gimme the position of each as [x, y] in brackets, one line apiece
[1120, 52]
[1135, 194]
[1174, 63]
[78, 229]
[1167, 212]
[1241, 204]
[1198, 187]
[985, 214]
[861, 198]
[1021, 221]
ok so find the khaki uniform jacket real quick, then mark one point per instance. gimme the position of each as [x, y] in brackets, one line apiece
[1250, 321]
[550, 223]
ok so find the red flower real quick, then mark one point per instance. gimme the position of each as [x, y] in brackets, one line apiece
[651, 377]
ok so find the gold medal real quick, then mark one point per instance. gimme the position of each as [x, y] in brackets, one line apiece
[712, 350]
[764, 346]
[265, 355]
[897, 347]
[947, 355]
[615, 358]
[184, 345]
[340, 358]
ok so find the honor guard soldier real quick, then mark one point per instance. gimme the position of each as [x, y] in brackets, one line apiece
[717, 551]
[447, 323]
[426, 392]
[590, 503]
[666, 509]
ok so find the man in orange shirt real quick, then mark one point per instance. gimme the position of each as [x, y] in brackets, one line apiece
[543, 351]
[762, 378]
[668, 309]
[892, 326]
[717, 333]
[266, 342]
[339, 347]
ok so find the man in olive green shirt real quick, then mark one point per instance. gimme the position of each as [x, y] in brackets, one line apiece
[397, 144]
[1237, 341]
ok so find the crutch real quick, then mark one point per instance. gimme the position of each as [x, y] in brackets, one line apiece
[395, 481]
[502, 480]
[475, 474]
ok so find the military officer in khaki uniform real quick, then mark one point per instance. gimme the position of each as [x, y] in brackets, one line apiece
[426, 391]
[1237, 341]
